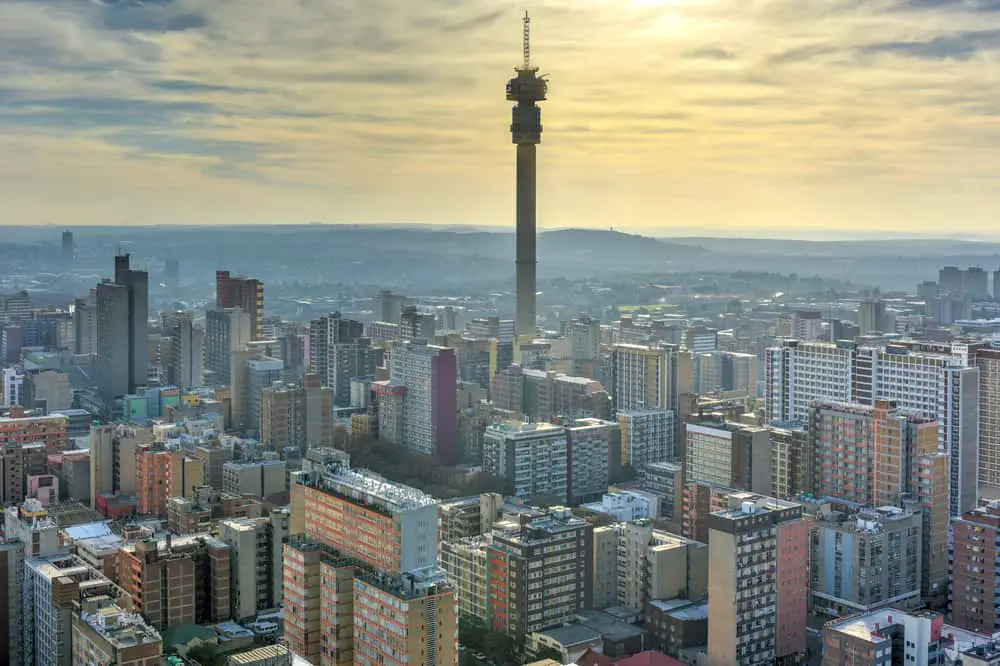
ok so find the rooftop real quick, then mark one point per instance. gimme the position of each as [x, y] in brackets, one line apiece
[367, 486]
[868, 627]
[120, 628]
[519, 429]
[411, 585]
[254, 656]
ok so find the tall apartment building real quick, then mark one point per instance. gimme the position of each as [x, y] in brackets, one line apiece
[387, 525]
[85, 325]
[872, 317]
[469, 516]
[988, 362]
[123, 330]
[260, 478]
[974, 570]
[729, 454]
[187, 350]
[112, 461]
[633, 563]
[593, 448]
[584, 333]
[548, 395]
[430, 375]
[757, 582]
[244, 293]
[177, 580]
[532, 457]
[464, 562]
[666, 481]
[226, 331]
[415, 325]
[940, 382]
[423, 625]
[886, 636]
[539, 574]
[791, 461]
[649, 377]
[731, 372]
[152, 471]
[861, 453]
[339, 352]
[866, 560]
[300, 417]
[106, 633]
[255, 561]
[370, 545]
[647, 435]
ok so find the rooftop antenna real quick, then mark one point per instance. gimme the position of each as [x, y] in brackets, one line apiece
[527, 42]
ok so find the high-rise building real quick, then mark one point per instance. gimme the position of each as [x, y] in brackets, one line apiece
[666, 481]
[548, 395]
[886, 636]
[68, 251]
[974, 566]
[123, 330]
[539, 574]
[649, 377]
[464, 562]
[415, 325]
[390, 306]
[430, 375]
[865, 560]
[177, 580]
[791, 461]
[339, 353]
[729, 454]
[757, 581]
[593, 451]
[369, 545]
[938, 381]
[256, 557]
[226, 331]
[244, 293]
[584, 333]
[633, 563]
[862, 453]
[647, 436]
[389, 526]
[85, 325]
[152, 471]
[532, 457]
[261, 478]
[112, 461]
[988, 362]
[872, 317]
[187, 341]
[300, 417]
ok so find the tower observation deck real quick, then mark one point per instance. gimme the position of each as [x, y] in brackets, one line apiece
[527, 88]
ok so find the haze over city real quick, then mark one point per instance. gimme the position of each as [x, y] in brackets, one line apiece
[701, 117]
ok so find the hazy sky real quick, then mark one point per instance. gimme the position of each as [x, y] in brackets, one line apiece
[805, 116]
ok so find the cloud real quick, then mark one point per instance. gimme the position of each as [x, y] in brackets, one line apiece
[369, 110]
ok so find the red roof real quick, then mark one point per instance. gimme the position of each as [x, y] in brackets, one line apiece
[650, 658]
[591, 658]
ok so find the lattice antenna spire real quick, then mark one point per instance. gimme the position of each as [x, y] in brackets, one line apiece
[527, 41]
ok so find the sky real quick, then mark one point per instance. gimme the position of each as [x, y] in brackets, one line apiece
[804, 118]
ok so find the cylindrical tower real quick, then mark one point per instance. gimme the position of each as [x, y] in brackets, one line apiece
[527, 89]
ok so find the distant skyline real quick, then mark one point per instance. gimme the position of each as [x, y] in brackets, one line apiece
[760, 118]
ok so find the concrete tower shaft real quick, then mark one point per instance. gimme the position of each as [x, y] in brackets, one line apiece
[527, 89]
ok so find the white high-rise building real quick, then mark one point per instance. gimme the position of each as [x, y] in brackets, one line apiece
[938, 381]
[647, 436]
[430, 375]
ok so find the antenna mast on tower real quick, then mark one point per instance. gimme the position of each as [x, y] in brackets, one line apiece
[527, 42]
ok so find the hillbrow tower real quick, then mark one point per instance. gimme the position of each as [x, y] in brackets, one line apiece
[527, 89]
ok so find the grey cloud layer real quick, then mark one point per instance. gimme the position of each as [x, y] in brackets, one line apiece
[307, 92]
